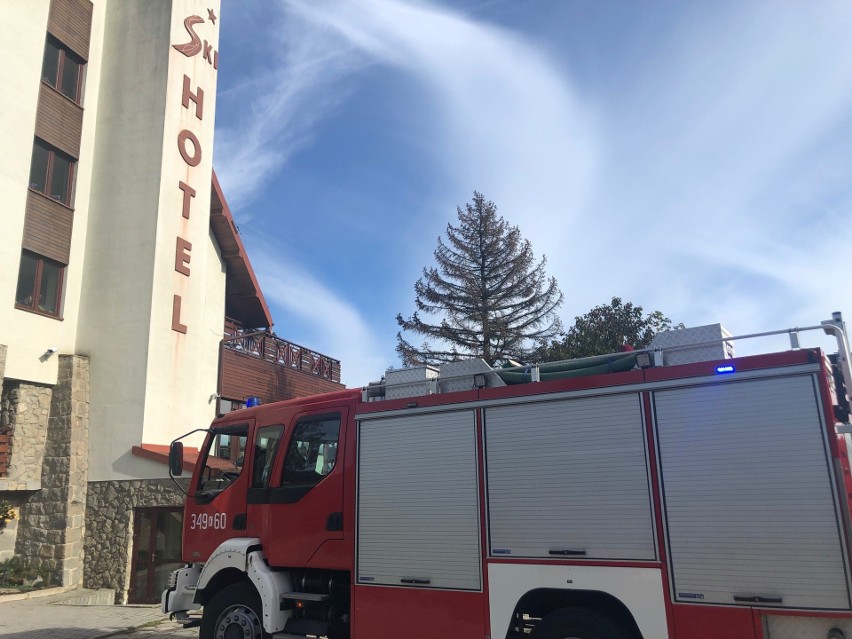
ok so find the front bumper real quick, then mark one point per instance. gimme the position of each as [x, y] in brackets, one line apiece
[179, 595]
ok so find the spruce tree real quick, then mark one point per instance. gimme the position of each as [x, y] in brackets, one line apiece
[487, 297]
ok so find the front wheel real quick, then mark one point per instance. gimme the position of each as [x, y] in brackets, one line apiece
[578, 623]
[235, 612]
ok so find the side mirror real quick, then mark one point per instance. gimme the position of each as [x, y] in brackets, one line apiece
[176, 459]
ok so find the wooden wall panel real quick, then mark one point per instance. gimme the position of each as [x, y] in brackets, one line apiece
[245, 375]
[47, 228]
[59, 121]
[70, 22]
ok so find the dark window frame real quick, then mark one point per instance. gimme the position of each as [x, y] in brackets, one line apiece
[36, 290]
[63, 53]
[52, 152]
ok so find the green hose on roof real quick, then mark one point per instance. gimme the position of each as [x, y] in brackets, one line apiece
[576, 368]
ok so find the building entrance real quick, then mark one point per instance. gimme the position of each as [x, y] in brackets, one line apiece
[156, 551]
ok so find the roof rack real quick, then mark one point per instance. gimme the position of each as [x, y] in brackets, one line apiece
[679, 346]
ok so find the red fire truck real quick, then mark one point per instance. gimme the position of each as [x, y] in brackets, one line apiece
[675, 492]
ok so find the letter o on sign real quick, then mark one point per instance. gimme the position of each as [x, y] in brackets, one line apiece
[193, 159]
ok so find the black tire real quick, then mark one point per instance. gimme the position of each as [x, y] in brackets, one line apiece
[231, 611]
[578, 623]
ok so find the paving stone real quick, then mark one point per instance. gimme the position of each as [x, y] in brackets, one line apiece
[50, 618]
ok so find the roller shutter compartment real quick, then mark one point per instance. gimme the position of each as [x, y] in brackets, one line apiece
[418, 502]
[568, 479]
[750, 508]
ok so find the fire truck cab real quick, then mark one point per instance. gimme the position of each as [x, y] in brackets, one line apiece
[676, 492]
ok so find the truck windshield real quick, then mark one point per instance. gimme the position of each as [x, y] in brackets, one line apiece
[223, 459]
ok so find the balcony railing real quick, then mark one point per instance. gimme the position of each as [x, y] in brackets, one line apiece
[270, 347]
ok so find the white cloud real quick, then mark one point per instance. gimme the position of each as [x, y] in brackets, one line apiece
[706, 156]
[511, 125]
[679, 190]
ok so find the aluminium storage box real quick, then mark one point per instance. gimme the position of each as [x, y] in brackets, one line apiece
[674, 344]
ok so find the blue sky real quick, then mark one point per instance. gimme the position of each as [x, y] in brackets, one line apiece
[691, 157]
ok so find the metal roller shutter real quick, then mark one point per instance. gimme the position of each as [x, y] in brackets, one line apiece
[418, 502]
[748, 495]
[570, 477]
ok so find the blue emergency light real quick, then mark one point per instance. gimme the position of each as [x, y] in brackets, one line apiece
[254, 400]
[724, 369]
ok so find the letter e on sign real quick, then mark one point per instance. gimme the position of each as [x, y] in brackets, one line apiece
[182, 256]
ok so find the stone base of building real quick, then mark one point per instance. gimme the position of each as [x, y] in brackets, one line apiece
[45, 430]
[119, 515]
[72, 531]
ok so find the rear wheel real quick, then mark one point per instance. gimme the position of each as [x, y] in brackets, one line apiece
[235, 612]
[578, 623]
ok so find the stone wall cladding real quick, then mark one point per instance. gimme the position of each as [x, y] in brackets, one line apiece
[52, 522]
[24, 413]
[109, 526]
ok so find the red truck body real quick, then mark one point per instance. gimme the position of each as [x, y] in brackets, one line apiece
[666, 501]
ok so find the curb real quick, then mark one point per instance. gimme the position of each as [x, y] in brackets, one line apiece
[35, 594]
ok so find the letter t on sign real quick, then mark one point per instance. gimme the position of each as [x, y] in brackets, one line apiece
[188, 194]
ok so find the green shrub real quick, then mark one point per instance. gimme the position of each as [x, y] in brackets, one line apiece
[19, 572]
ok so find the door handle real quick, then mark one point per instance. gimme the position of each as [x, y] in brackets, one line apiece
[760, 599]
[567, 552]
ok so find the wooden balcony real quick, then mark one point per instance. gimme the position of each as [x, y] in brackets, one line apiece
[261, 364]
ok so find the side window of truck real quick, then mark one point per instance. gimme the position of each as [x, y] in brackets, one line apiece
[312, 453]
[265, 447]
[223, 460]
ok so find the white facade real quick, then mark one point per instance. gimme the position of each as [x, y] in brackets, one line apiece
[22, 40]
[149, 382]
[156, 382]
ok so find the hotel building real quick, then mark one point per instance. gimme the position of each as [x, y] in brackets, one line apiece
[129, 311]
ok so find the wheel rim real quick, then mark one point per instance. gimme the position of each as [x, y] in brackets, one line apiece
[238, 622]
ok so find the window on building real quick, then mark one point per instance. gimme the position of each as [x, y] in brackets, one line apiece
[52, 172]
[62, 69]
[39, 284]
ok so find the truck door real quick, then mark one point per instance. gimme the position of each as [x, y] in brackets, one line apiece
[299, 502]
[216, 507]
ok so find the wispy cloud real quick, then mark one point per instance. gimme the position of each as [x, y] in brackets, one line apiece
[508, 124]
[280, 104]
[705, 184]
[708, 153]
[511, 124]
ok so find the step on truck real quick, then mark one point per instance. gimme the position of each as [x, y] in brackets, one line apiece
[675, 492]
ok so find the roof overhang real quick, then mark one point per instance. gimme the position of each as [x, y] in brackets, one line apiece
[160, 453]
[244, 300]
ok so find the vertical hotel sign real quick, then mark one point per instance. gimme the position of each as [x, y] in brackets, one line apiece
[188, 145]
